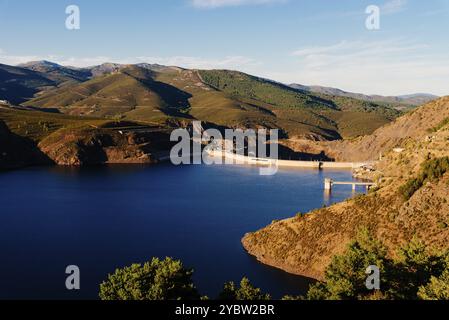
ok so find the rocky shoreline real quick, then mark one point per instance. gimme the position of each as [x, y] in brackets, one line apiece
[81, 147]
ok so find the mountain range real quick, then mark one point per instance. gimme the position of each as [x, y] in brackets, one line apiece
[157, 94]
[400, 102]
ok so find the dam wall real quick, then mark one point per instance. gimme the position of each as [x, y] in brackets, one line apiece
[239, 159]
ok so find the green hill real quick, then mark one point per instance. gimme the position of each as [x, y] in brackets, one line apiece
[220, 97]
[405, 102]
[329, 116]
[18, 84]
[116, 93]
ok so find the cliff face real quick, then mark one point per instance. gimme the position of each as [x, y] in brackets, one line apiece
[77, 145]
[305, 245]
[93, 146]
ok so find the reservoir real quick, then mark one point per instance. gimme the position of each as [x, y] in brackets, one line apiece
[102, 218]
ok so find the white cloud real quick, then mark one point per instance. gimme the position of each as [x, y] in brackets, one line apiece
[389, 67]
[13, 60]
[229, 3]
[228, 62]
[388, 8]
[393, 6]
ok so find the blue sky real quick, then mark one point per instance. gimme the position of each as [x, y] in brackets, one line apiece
[313, 42]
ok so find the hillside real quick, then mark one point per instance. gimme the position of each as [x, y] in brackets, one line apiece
[116, 93]
[332, 117]
[41, 138]
[157, 94]
[416, 124]
[58, 74]
[394, 212]
[18, 84]
[399, 102]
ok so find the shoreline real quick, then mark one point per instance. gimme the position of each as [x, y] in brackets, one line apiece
[279, 266]
[259, 257]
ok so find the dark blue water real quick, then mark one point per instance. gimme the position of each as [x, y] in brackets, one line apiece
[108, 217]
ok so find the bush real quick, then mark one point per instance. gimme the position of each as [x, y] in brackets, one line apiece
[430, 170]
[442, 124]
[300, 215]
[156, 280]
[246, 291]
[417, 274]
[437, 289]
[345, 277]
[414, 269]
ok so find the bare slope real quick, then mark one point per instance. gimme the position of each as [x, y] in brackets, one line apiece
[416, 124]
[305, 245]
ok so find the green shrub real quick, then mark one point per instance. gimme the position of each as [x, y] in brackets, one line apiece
[439, 126]
[246, 291]
[416, 274]
[345, 276]
[300, 215]
[156, 280]
[430, 170]
[442, 225]
[436, 289]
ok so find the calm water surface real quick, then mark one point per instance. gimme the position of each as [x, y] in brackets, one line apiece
[108, 217]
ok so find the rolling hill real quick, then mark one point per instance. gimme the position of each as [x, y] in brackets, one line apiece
[155, 93]
[17, 84]
[58, 74]
[399, 102]
[414, 125]
[115, 93]
[331, 117]
[160, 94]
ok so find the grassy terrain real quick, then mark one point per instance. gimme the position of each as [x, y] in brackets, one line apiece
[37, 125]
[118, 93]
[300, 113]
[242, 85]
[220, 97]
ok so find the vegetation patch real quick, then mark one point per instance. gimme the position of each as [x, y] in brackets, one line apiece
[417, 273]
[430, 170]
[168, 279]
[441, 125]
